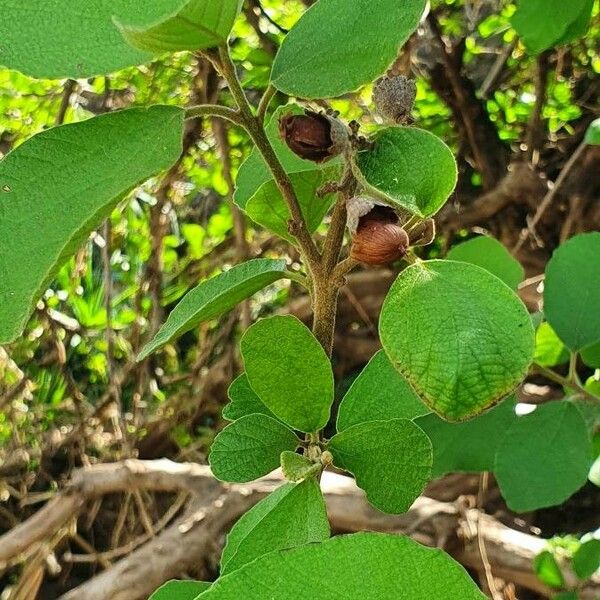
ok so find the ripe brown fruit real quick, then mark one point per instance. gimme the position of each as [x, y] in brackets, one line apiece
[378, 241]
[314, 136]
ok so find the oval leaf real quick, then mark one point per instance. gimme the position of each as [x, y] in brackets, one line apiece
[291, 516]
[543, 24]
[488, 253]
[397, 568]
[250, 448]
[544, 457]
[194, 25]
[76, 38]
[586, 561]
[572, 293]
[390, 460]
[289, 370]
[461, 337]
[58, 186]
[409, 168]
[379, 393]
[337, 45]
[470, 446]
[244, 401]
[216, 296]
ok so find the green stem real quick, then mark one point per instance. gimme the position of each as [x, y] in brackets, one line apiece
[214, 110]
[256, 131]
[566, 382]
[264, 103]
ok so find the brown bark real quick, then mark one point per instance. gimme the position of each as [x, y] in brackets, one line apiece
[191, 538]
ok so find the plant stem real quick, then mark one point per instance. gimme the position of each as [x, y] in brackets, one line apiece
[568, 382]
[214, 110]
[264, 103]
[256, 131]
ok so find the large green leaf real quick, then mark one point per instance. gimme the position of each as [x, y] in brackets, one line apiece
[543, 24]
[409, 168]
[214, 297]
[257, 194]
[78, 38]
[291, 516]
[370, 566]
[58, 186]
[489, 253]
[337, 45]
[544, 457]
[572, 293]
[461, 337]
[194, 25]
[180, 590]
[243, 401]
[250, 448]
[290, 372]
[390, 460]
[470, 446]
[379, 393]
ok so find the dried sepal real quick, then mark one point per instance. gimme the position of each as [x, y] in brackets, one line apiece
[394, 97]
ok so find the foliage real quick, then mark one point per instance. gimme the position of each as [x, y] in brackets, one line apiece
[457, 339]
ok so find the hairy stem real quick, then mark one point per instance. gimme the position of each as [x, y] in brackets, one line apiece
[256, 131]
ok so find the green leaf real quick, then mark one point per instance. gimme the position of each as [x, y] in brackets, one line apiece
[544, 457]
[470, 446]
[338, 46]
[408, 168]
[549, 349]
[544, 24]
[268, 208]
[250, 448]
[547, 569]
[390, 460]
[180, 590]
[397, 568]
[379, 393]
[244, 401]
[488, 253]
[289, 370]
[591, 356]
[293, 515]
[216, 296]
[572, 293]
[58, 186]
[257, 194]
[461, 337]
[296, 467]
[78, 39]
[586, 561]
[592, 135]
[566, 596]
[194, 25]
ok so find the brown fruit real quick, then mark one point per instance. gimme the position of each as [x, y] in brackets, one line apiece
[378, 241]
[314, 136]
